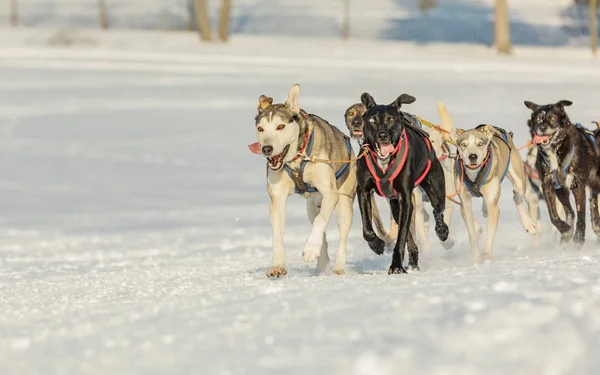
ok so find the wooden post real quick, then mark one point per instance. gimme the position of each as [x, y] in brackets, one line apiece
[224, 20]
[502, 28]
[346, 19]
[202, 20]
[594, 25]
[14, 13]
[102, 20]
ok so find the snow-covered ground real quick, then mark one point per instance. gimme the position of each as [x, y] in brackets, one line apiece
[135, 230]
[533, 22]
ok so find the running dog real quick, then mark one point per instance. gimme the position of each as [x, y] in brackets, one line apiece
[568, 161]
[290, 138]
[394, 172]
[355, 124]
[486, 155]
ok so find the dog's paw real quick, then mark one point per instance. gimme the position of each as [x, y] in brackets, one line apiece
[276, 271]
[413, 267]
[339, 271]
[530, 227]
[377, 245]
[442, 231]
[448, 244]
[485, 257]
[578, 240]
[310, 256]
[396, 270]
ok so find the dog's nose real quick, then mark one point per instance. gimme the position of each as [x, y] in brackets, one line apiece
[473, 158]
[267, 150]
[382, 136]
[356, 122]
[543, 127]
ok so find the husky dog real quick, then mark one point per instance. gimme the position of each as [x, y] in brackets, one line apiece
[568, 161]
[486, 155]
[288, 137]
[355, 125]
[394, 172]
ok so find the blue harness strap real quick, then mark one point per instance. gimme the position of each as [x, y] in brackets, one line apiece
[308, 188]
[564, 169]
[587, 132]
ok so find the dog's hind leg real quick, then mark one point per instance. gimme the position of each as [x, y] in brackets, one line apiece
[312, 207]
[403, 208]
[421, 220]
[413, 249]
[516, 175]
[344, 216]
[579, 237]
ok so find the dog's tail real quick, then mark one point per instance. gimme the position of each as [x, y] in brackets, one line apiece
[446, 119]
[387, 237]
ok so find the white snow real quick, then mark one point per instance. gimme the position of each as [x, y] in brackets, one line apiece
[135, 230]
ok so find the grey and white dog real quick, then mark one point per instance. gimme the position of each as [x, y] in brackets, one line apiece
[289, 137]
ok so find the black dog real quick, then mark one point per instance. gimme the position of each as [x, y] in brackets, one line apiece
[568, 160]
[400, 158]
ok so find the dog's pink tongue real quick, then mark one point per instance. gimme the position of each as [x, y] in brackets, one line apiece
[540, 138]
[387, 149]
[255, 148]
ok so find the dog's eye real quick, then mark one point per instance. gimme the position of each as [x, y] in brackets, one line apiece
[463, 145]
[280, 126]
[351, 113]
[260, 130]
[479, 144]
[391, 120]
[552, 118]
[372, 120]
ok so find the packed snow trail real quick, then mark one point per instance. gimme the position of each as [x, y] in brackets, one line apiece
[135, 230]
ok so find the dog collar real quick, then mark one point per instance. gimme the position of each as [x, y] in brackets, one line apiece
[301, 150]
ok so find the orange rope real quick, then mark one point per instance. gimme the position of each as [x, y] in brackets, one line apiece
[462, 178]
[317, 160]
[526, 145]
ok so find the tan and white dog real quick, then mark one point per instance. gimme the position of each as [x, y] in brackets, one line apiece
[288, 137]
[486, 155]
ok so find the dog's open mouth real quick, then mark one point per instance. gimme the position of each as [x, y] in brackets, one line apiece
[542, 139]
[357, 134]
[276, 161]
[384, 149]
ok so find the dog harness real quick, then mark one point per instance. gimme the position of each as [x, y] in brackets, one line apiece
[557, 184]
[474, 187]
[302, 187]
[384, 179]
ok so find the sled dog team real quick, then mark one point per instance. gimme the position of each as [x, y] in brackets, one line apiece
[409, 164]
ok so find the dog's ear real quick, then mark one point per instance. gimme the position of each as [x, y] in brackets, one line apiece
[563, 103]
[531, 105]
[292, 100]
[488, 130]
[367, 100]
[455, 133]
[597, 124]
[264, 103]
[403, 99]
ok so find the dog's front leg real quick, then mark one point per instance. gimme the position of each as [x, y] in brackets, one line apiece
[491, 196]
[580, 197]
[405, 211]
[421, 220]
[551, 196]
[279, 191]
[321, 176]
[466, 212]
[364, 203]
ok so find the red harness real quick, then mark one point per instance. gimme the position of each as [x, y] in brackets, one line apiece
[390, 175]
